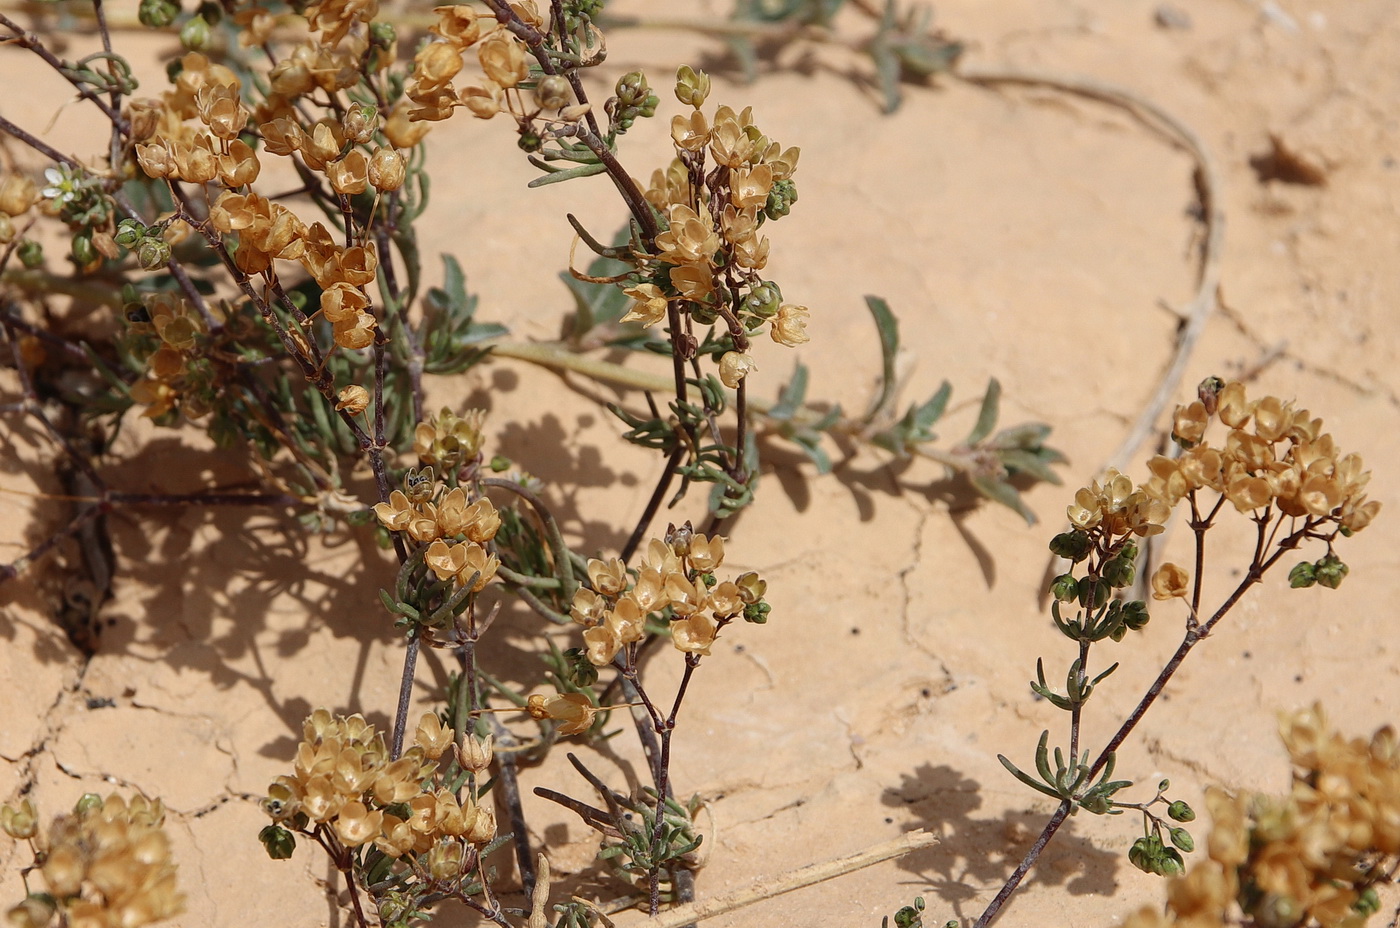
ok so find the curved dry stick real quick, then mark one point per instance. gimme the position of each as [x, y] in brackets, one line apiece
[1208, 189]
[796, 879]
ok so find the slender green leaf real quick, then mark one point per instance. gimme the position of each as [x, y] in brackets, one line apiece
[999, 491]
[792, 396]
[1028, 462]
[987, 418]
[888, 327]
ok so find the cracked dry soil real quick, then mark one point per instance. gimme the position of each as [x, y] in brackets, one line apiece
[1022, 234]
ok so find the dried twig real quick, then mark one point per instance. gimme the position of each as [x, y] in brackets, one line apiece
[796, 879]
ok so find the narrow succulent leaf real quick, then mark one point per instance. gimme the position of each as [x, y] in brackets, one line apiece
[559, 176]
[1104, 676]
[1042, 762]
[1027, 779]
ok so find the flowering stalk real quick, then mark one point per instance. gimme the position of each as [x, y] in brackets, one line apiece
[1277, 468]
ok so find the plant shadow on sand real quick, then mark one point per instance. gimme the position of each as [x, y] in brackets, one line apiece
[977, 854]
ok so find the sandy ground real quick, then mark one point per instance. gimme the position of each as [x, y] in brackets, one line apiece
[1025, 235]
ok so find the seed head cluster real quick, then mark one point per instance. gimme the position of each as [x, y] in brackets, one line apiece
[345, 787]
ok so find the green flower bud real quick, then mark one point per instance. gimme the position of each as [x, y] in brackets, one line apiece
[1143, 854]
[757, 613]
[1092, 593]
[152, 253]
[129, 231]
[1135, 615]
[764, 300]
[1170, 863]
[1119, 572]
[87, 802]
[1179, 811]
[581, 671]
[1330, 571]
[1302, 576]
[529, 140]
[395, 908]
[1182, 839]
[1074, 545]
[84, 252]
[1368, 903]
[910, 915]
[382, 34]
[277, 841]
[196, 35]
[1065, 588]
[780, 199]
[157, 14]
[30, 253]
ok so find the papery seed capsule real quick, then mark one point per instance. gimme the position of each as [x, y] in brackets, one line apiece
[386, 169]
[359, 122]
[552, 92]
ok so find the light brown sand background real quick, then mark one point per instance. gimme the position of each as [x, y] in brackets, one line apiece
[1024, 235]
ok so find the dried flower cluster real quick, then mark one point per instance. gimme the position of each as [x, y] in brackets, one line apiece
[1307, 859]
[454, 527]
[726, 181]
[676, 576]
[165, 330]
[1273, 457]
[195, 133]
[107, 865]
[346, 789]
[505, 66]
